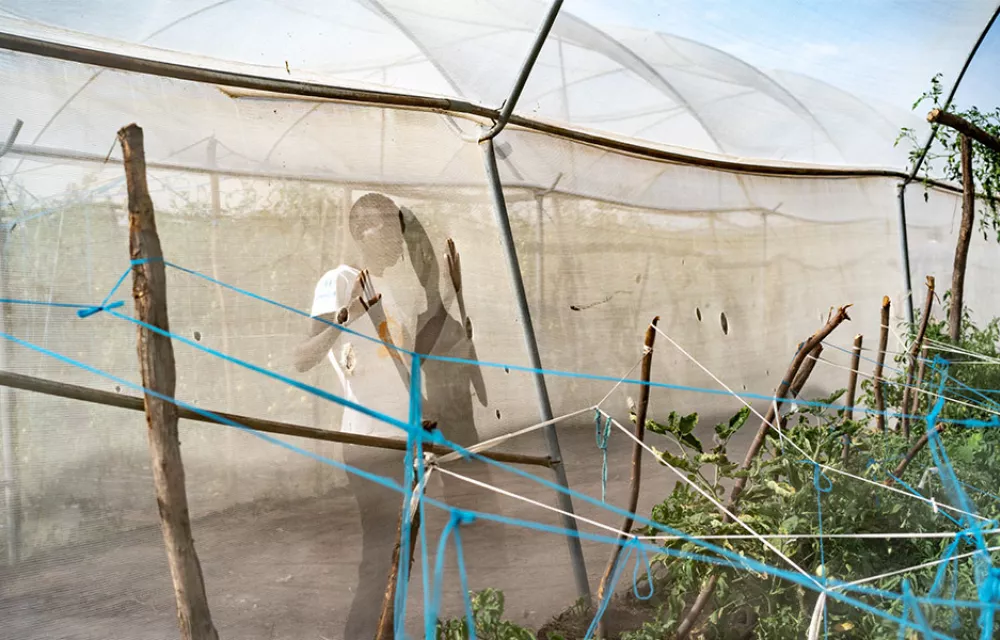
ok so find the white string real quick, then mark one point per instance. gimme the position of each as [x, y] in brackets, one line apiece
[800, 449]
[715, 502]
[913, 387]
[623, 378]
[542, 505]
[492, 442]
[898, 535]
[917, 567]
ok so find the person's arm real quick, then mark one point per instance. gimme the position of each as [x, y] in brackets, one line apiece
[323, 335]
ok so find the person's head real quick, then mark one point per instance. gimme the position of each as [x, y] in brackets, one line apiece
[376, 224]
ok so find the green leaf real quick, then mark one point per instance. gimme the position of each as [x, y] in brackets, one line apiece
[677, 462]
[726, 431]
[781, 488]
[692, 441]
[687, 424]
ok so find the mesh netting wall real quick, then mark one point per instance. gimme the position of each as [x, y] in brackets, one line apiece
[740, 268]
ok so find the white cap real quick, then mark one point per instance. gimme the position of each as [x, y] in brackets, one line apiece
[333, 291]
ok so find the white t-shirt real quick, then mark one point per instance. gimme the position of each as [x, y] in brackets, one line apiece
[368, 375]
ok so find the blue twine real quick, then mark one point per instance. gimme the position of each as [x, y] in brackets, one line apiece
[457, 518]
[993, 422]
[728, 559]
[602, 437]
[403, 572]
[742, 562]
[910, 605]
[644, 556]
[818, 475]
[606, 599]
[913, 491]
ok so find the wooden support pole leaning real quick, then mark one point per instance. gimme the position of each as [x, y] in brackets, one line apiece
[109, 399]
[965, 128]
[911, 370]
[156, 362]
[766, 424]
[962, 246]
[883, 342]
[852, 387]
[386, 619]
[634, 481]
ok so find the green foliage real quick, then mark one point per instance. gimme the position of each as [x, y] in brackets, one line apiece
[985, 164]
[487, 614]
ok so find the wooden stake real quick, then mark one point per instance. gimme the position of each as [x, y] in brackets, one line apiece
[883, 342]
[911, 370]
[634, 481]
[852, 386]
[758, 442]
[386, 619]
[964, 240]
[156, 362]
[914, 407]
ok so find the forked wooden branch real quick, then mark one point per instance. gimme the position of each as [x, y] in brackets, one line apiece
[965, 127]
[911, 370]
[156, 362]
[758, 442]
[634, 481]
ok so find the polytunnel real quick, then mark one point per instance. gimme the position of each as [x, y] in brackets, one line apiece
[733, 168]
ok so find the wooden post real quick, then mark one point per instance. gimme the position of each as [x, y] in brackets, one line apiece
[852, 385]
[156, 362]
[914, 407]
[769, 420]
[965, 128]
[634, 481]
[800, 380]
[883, 342]
[964, 240]
[911, 370]
[386, 619]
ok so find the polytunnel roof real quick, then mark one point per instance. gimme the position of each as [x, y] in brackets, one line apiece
[775, 80]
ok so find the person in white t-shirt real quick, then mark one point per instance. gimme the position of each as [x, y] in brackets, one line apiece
[361, 296]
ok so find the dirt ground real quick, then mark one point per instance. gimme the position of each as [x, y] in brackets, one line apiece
[285, 572]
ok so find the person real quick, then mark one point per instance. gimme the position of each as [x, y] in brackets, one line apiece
[361, 296]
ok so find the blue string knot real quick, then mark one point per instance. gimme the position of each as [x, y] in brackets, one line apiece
[90, 311]
[460, 517]
[602, 435]
[643, 556]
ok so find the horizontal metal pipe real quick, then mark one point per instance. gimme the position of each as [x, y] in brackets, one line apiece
[134, 64]
[109, 399]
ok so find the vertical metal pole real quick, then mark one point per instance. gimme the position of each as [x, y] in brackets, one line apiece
[545, 408]
[11, 491]
[540, 255]
[904, 256]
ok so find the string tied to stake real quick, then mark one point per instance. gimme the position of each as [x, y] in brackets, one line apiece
[602, 434]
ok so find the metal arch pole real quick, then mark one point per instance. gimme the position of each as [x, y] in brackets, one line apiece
[545, 408]
[904, 255]
[522, 77]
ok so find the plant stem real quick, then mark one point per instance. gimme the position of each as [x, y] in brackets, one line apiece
[758, 442]
[637, 450]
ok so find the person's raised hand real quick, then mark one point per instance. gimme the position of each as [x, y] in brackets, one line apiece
[369, 297]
